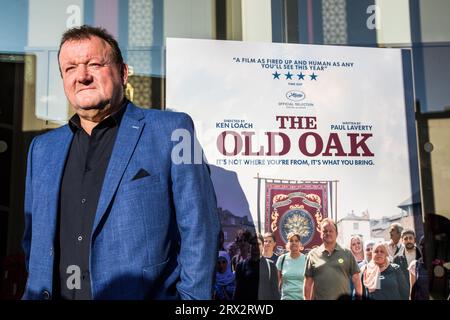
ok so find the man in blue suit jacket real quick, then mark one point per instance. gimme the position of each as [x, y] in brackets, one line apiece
[152, 224]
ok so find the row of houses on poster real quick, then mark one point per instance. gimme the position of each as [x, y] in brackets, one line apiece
[409, 217]
[370, 229]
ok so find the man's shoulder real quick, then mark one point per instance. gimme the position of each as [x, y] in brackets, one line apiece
[263, 260]
[400, 255]
[165, 117]
[52, 137]
[243, 264]
[315, 251]
[346, 252]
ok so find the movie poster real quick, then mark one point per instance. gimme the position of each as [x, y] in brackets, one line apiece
[295, 133]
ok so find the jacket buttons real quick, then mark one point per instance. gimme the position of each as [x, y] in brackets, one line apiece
[46, 295]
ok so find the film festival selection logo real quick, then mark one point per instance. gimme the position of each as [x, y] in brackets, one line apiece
[294, 98]
[298, 72]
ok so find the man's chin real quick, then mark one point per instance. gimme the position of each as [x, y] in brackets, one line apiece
[92, 106]
[87, 109]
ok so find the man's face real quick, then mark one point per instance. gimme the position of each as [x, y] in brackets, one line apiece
[92, 80]
[394, 234]
[244, 247]
[328, 233]
[269, 244]
[256, 248]
[409, 241]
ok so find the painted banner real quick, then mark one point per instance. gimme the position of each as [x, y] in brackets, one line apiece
[299, 208]
[284, 120]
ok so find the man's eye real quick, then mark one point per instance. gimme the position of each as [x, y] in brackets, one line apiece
[94, 65]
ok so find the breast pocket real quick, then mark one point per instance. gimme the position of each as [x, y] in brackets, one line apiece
[147, 184]
[146, 200]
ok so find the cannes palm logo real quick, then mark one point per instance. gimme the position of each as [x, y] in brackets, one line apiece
[295, 95]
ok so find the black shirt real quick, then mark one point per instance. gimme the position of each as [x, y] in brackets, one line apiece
[256, 279]
[81, 185]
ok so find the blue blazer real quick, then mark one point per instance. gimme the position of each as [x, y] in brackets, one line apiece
[154, 237]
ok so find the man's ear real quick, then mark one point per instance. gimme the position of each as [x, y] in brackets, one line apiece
[124, 73]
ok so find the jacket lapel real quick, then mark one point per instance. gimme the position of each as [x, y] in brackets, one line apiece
[126, 140]
[56, 164]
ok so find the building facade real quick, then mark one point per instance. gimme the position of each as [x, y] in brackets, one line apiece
[353, 224]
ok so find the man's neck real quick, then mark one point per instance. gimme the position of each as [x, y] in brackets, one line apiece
[329, 246]
[410, 251]
[89, 123]
[244, 255]
[268, 254]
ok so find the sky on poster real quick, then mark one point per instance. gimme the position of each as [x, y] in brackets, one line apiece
[217, 82]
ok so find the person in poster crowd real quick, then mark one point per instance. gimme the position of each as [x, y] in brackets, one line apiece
[394, 244]
[256, 276]
[368, 257]
[383, 279]
[357, 248]
[222, 251]
[328, 272]
[418, 275]
[242, 243]
[329, 268]
[224, 285]
[291, 269]
[269, 245]
[407, 253]
[368, 252]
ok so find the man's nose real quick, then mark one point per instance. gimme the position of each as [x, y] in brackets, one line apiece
[83, 74]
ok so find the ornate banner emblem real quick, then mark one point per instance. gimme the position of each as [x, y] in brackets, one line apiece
[298, 207]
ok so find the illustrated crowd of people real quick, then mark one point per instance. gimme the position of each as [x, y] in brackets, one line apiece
[251, 269]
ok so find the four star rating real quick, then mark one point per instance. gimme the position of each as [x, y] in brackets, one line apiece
[300, 76]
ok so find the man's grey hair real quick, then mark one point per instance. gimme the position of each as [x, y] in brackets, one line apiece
[398, 227]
